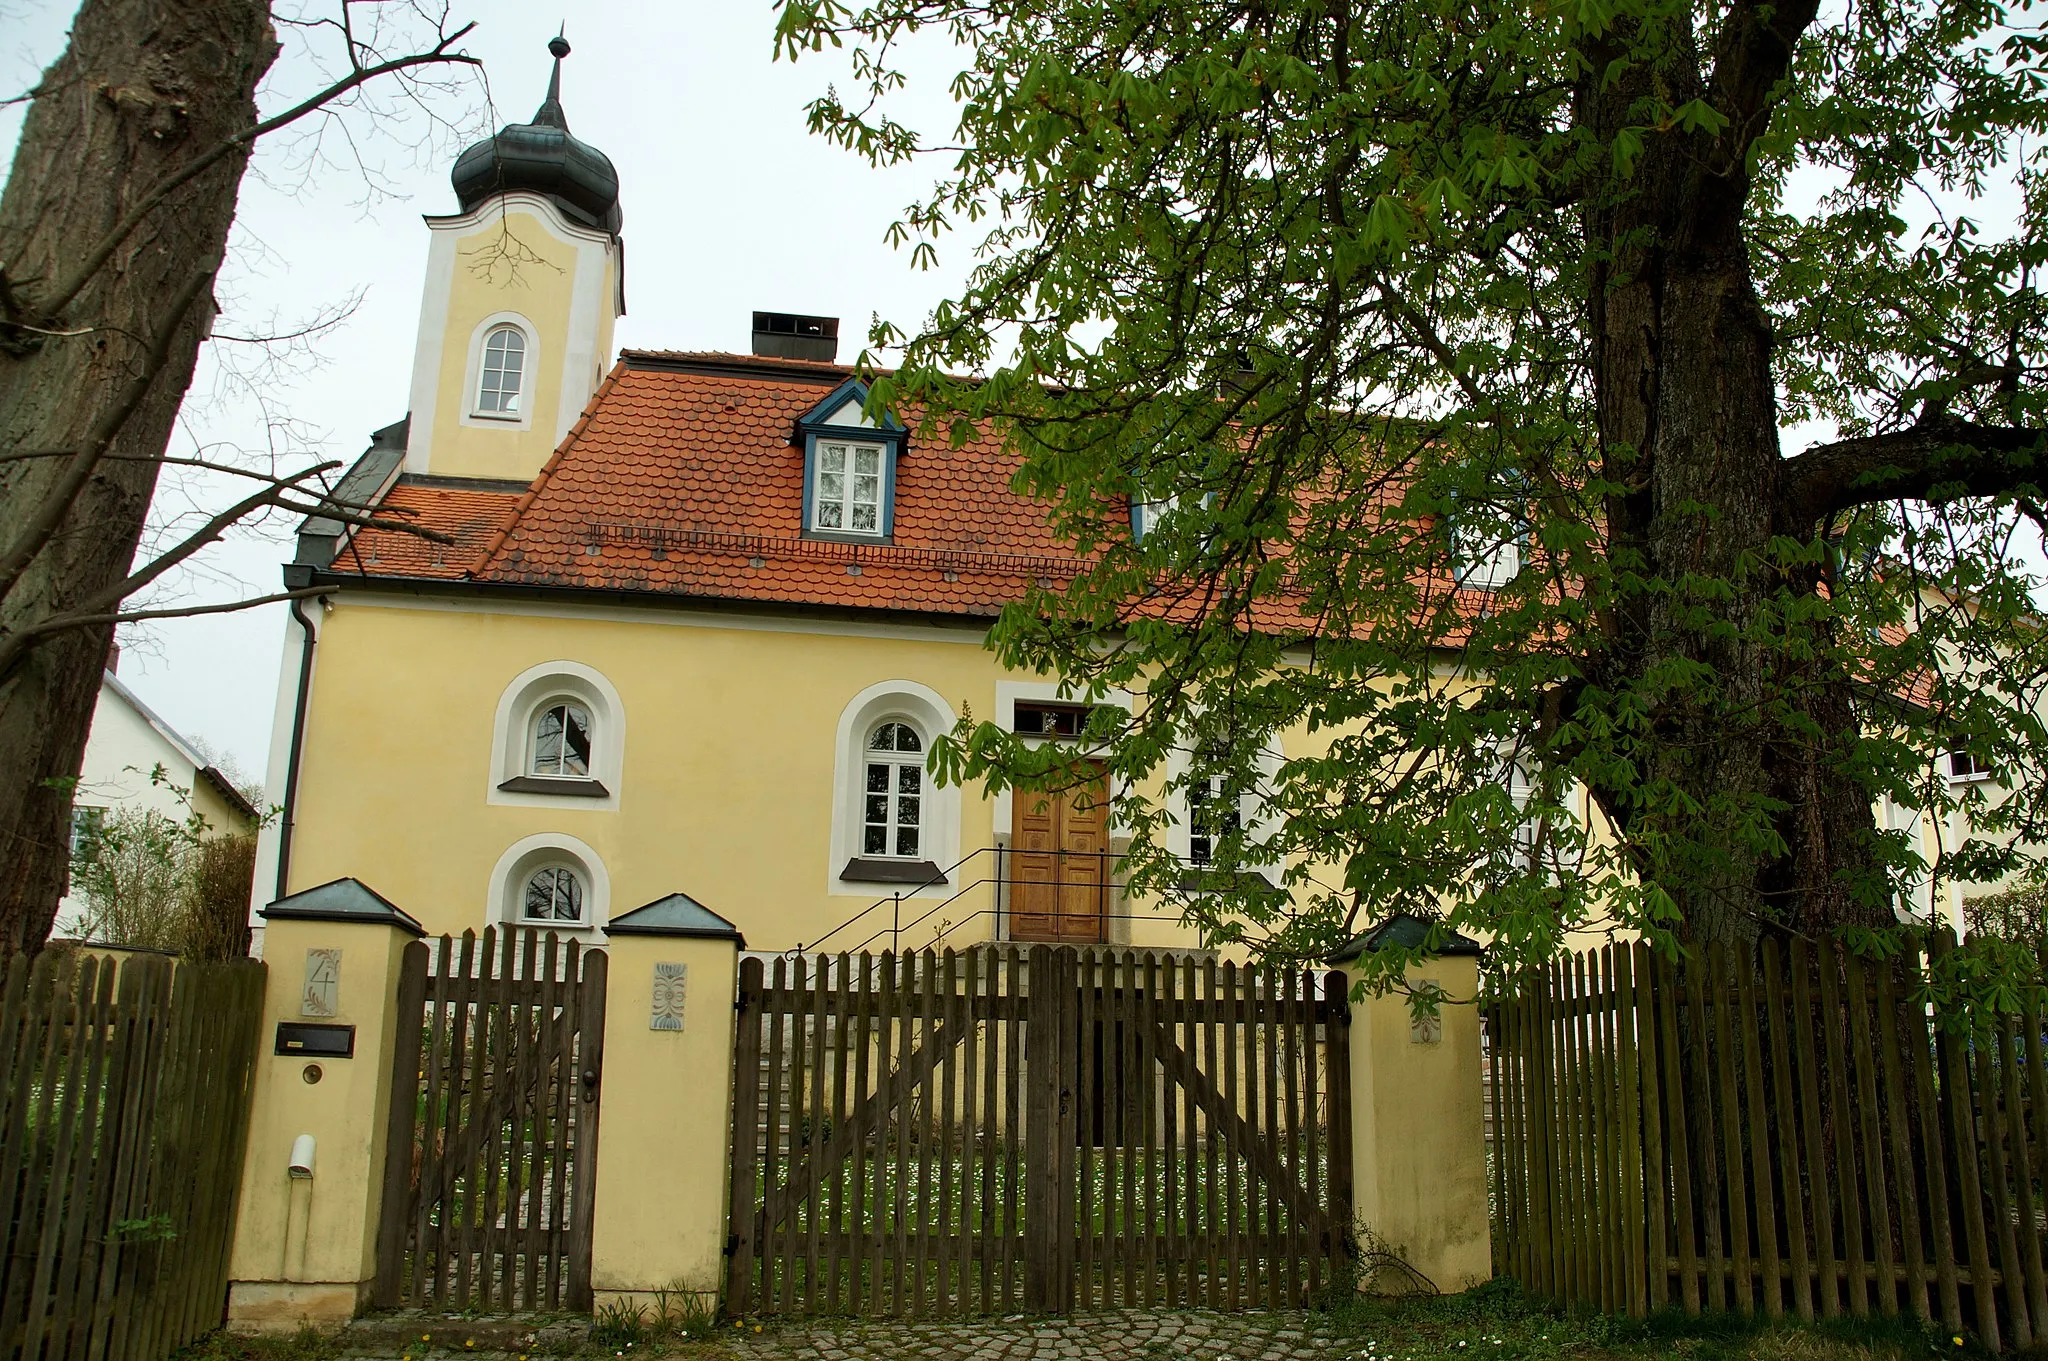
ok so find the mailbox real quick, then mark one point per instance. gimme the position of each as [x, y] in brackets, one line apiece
[307, 1040]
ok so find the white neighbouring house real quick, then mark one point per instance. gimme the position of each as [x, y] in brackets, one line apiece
[127, 743]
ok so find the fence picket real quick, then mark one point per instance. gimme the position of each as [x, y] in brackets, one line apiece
[1786, 1134]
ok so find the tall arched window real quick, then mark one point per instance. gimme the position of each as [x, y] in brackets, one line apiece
[892, 805]
[554, 893]
[502, 371]
[560, 744]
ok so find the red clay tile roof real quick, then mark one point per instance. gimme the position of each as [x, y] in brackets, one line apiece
[680, 479]
[467, 515]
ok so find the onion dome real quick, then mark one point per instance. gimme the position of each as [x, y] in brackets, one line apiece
[541, 156]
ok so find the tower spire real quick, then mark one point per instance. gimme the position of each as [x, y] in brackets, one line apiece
[550, 112]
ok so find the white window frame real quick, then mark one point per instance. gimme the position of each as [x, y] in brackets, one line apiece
[505, 904]
[895, 761]
[487, 370]
[557, 868]
[1483, 557]
[519, 707]
[846, 501]
[929, 714]
[546, 706]
[1256, 827]
[472, 412]
[1975, 775]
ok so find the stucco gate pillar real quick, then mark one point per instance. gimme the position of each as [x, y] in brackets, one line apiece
[662, 1162]
[305, 1236]
[1418, 1142]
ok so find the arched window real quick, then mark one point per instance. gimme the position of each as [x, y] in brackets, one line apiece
[554, 893]
[502, 371]
[560, 745]
[892, 803]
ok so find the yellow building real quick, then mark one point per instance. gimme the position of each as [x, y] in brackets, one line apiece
[681, 623]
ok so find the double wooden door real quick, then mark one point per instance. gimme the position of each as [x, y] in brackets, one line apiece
[1059, 864]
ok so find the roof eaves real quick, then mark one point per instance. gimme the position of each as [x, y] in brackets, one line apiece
[151, 717]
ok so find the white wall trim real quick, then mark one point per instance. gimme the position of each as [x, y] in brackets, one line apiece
[269, 837]
[927, 711]
[518, 703]
[1008, 692]
[529, 853]
[595, 249]
[529, 371]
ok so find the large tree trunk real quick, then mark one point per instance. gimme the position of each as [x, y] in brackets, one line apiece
[146, 87]
[1688, 421]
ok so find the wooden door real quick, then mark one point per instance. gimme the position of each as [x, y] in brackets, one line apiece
[1059, 889]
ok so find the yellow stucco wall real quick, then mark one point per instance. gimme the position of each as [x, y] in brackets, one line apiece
[513, 262]
[1419, 1133]
[662, 1171]
[726, 788]
[305, 1248]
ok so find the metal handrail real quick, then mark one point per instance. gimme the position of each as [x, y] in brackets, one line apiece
[894, 902]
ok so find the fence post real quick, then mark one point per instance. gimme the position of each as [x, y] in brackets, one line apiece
[1418, 1137]
[305, 1247]
[668, 1078]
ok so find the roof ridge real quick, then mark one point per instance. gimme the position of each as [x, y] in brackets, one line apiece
[540, 480]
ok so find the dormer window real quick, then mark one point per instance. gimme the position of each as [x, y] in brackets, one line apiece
[849, 467]
[848, 495]
[503, 369]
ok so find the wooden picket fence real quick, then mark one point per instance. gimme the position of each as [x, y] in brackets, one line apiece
[1787, 1132]
[124, 1109]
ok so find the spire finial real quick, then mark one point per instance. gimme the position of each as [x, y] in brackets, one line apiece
[550, 111]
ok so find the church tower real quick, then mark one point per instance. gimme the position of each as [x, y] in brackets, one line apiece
[524, 285]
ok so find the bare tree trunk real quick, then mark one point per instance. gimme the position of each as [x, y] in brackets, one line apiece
[145, 88]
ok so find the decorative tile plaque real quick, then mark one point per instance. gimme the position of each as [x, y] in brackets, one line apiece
[670, 983]
[1427, 1027]
[323, 982]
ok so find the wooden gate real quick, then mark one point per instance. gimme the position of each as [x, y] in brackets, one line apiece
[949, 1133]
[493, 1136]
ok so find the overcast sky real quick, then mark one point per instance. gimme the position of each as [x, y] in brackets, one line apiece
[730, 206]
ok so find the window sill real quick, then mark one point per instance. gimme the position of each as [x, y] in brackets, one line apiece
[845, 536]
[507, 417]
[870, 870]
[549, 784]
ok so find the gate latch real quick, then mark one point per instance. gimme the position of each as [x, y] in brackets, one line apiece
[590, 1084]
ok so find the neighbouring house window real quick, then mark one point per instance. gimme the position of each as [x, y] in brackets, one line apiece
[1212, 815]
[555, 894]
[561, 741]
[893, 796]
[1963, 765]
[504, 368]
[847, 498]
[87, 825]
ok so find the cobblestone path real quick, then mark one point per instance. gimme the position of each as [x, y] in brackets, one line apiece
[1122, 1336]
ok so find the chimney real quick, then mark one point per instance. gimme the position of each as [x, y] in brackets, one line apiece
[113, 657]
[785, 335]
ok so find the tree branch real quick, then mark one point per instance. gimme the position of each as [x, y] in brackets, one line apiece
[16, 643]
[36, 534]
[1939, 459]
[105, 247]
